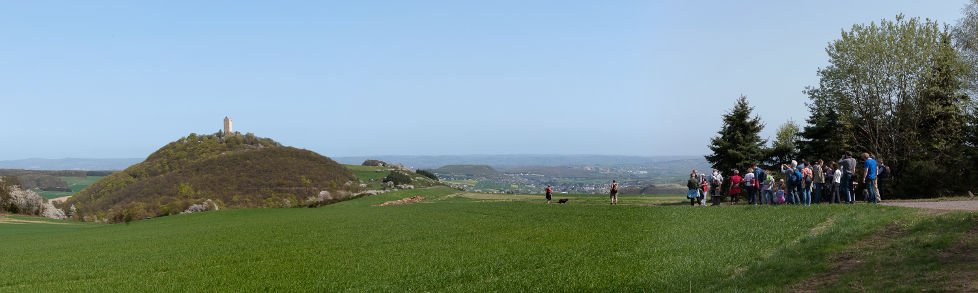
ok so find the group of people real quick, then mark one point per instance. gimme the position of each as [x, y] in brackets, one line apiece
[802, 183]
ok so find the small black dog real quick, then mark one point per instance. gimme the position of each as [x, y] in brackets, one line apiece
[562, 200]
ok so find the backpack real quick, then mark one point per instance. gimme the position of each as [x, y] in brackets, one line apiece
[761, 177]
[884, 172]
[808, 179]
[794, 178]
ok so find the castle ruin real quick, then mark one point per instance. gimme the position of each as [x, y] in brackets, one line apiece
[227, 125]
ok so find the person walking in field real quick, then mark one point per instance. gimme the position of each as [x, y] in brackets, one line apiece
[693, 186]
[614, 192]
[550, 193]
[735, 181]
[869, 178]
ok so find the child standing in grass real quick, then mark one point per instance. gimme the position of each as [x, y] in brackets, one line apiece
[768, 196]
[779, 192]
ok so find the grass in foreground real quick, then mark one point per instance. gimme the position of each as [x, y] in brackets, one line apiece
[465, 242]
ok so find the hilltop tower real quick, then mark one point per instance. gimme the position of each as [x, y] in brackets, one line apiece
[227, 125]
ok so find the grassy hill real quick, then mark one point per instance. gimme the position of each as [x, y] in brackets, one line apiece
[483, 242]
[234, 171]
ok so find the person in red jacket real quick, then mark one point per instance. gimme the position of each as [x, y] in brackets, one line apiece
[550, 193]
[735, 186]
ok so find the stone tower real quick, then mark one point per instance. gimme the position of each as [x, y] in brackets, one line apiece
[227, 125]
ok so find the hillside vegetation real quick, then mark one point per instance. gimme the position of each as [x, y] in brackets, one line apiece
[233, 171]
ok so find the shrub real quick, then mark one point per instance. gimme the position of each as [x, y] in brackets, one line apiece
[427, 173]
[398, 178]
[373, 163]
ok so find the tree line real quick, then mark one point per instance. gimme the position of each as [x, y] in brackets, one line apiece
[903, 90]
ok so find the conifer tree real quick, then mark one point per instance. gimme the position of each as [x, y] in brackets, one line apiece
[738, 144]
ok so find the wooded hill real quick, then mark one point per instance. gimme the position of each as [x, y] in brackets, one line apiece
[234, 171]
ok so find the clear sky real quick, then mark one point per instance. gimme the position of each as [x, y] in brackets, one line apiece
[111, 79]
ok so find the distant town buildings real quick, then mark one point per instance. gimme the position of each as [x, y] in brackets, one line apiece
[227, 125]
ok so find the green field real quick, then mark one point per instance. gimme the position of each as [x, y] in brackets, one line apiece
[75, 183]
[495, 242]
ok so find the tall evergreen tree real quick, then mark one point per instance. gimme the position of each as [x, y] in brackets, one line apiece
[823, 137]
[943, 109]
[738, 144]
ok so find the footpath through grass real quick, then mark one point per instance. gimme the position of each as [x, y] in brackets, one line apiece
[464, 242]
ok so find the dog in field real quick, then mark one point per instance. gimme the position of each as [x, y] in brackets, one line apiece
[562, 200]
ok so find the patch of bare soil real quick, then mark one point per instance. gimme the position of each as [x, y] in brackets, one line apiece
[408, 200]
[5, 220]
[845, 262]
[960, 263]
[59, 199]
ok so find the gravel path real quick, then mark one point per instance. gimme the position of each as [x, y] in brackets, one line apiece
[958, 205]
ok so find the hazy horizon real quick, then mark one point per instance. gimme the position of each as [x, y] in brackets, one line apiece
[635, 78]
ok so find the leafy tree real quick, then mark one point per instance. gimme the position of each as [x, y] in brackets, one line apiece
[966, 38]
[738, 144]
[398, 178]
[784, 146]
[892, 84]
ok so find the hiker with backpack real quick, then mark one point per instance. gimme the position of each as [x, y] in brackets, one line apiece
[818, 173]
[716, 180]
[614, 192]
[792, 182]
[883, 173]
[869, 178]
[848, 166]
[758, 177]
[693, 189]
[735, 186]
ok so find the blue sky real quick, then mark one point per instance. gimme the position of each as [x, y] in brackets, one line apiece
[111, 79]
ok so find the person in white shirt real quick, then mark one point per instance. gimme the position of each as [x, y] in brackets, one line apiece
[836, 182]
[749, 183]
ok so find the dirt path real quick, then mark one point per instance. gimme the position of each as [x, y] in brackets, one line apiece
[59, 199]
[956, 205]
[6, 220]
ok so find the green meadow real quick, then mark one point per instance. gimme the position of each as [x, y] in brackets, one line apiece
[493, 242]
[75, 183]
